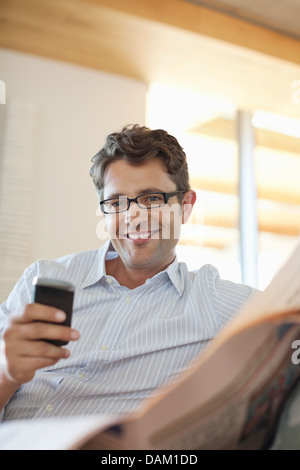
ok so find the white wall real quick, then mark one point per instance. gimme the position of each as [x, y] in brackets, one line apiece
[76, 108]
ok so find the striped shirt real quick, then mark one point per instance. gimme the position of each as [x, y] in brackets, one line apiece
[132, 341]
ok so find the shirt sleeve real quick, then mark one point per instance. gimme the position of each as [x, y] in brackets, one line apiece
[19, 296]
[226, 297]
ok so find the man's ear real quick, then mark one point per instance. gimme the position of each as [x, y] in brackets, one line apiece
[188, 204]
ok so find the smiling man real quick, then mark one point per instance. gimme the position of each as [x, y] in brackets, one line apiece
[143, 228]
[140, 317]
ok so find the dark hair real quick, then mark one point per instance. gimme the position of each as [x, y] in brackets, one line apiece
[136, 144]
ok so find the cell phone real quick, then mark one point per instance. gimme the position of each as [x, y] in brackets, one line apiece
[55, 293]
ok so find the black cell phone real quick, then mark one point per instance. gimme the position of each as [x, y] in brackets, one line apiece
[56, 293]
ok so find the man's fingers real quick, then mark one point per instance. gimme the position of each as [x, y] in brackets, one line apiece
[38, 349]
[34, 312]
[29, 366]
[40, 330]
[37, 321]
[26, 345]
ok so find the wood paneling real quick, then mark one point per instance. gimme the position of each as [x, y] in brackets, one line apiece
[279, 220]
[226, 129]
[271, 185]
[278, 15]
[204, 21]
[170, 41]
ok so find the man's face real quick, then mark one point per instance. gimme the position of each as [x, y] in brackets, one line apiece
[143, 238]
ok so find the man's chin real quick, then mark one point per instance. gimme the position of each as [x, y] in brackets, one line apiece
[145, 253]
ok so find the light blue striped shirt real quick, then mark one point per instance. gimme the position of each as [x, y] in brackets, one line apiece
[132, 341]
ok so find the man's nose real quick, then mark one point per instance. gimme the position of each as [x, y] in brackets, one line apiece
[134, 212]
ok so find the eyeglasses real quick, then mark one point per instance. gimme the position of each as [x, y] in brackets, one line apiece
[144, 201]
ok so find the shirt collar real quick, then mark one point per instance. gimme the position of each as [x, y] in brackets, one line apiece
[174, 273]
[97, 271]
[107, 251]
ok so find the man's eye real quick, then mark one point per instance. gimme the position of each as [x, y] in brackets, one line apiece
[149, 199]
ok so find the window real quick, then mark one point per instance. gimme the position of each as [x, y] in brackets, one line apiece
[208, 132]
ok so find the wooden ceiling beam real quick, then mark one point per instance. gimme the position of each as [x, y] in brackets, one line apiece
[172, 42]
[265, 224]
[226, 129]
[207, 22]
[229, 187]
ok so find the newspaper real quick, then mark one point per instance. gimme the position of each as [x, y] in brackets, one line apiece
[231, 397]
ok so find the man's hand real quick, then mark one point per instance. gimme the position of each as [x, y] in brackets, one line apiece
[25, 350]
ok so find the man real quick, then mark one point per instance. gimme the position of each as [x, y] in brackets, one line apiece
[139, 316]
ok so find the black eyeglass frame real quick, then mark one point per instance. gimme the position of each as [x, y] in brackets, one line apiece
[166, 197]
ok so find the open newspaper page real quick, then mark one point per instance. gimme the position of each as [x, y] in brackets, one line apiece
[232, 396]
[52, 434]
[230, 400]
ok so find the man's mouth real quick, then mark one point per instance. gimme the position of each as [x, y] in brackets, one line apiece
[137, 235]
[142, 236]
